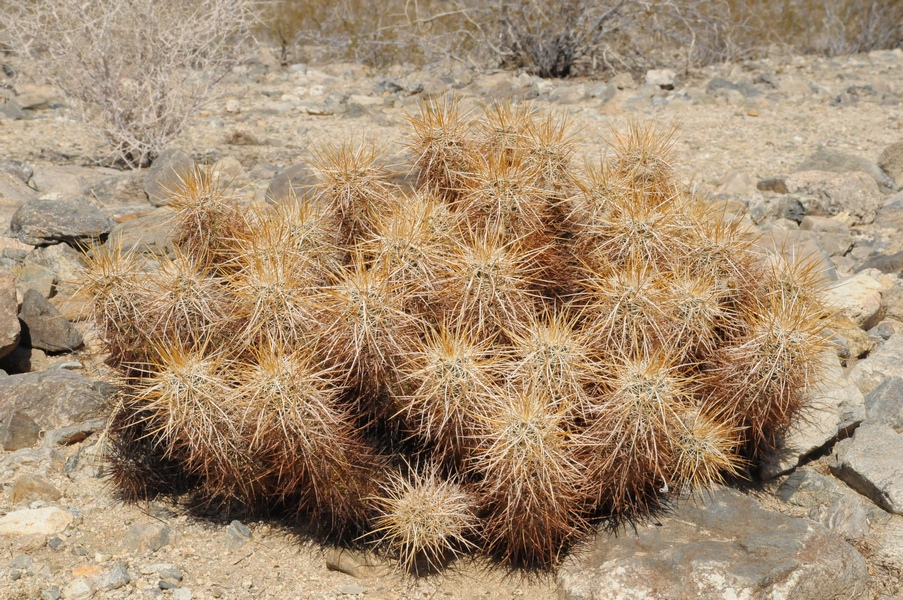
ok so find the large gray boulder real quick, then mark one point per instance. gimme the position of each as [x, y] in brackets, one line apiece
[45, 221]
[871, 462]
[55, 398]
[165, 175]
[723, 545]
[885, 404]
[828, 194]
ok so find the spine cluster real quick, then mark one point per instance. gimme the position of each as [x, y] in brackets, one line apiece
[495, 360]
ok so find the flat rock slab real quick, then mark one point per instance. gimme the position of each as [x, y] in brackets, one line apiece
[885, 362]
[44, 327]
[885, 404]
[725, 545]
[40, 521]
[47, 221]
[871, 462]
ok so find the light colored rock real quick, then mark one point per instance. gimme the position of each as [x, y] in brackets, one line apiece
[885, 404]
[836, 161]
[45, 521]
[871, 462]
[858, 298]
[737, 183]
[886, 361]
[80, 588]
[147, 537]
[891, 161]
[834, 405]
[10, 329]
[831, 503]
[663, 78]
[723, 545]
[833, 193]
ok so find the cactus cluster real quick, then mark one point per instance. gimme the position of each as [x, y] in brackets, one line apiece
[494, 359]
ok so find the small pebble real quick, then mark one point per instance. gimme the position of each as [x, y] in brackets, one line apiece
[163, 584]
[351, 590]
[181, 594]
[55, 543]
[51, 593]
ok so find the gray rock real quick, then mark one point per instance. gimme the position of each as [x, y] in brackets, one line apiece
[51, 592]
[237, 535]
[295, 181]
[147, 537]
[796, 244]
[44, 221]
[63, 261]
[18, 169]
[772, 184]
[44, 327]
[835, 161]
[125, 188]
[54, 398]
[871, 462]
[113, 578]
[73, 434]
[886, 361]
[37, 278]
[10, 110]
[151, 233]
[834, 406]
[165, 174]
[890, 215]
[65, 182]
[833, 235]
[891, 161]
[886, 263]
[830, 503]
[10, 328]
[723, 545]
[833, 193]
[14, 189]
[885, 404]
[18, 431]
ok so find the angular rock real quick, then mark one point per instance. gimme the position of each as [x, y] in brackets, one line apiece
[45, 221]
[237, 535]
[63, 261]
[793, 245]
[147, 537]
[835, 161]
[831, 233]
[44, 327]
[165, 174]
[867, 374]
[663, 78]
[886, 263]
[151, 232]
[295, 181]
[113, 578]
[65, 181]
[37, 278]
[885, 404]
[723, 545]
[80, 588]
[18, 431]
[833, 193]
[18, 169]
[891, 161]
[830, 503]
[73, 434]
[871, 462]
[10, 329]
[890, 215]
[121, 189]
[28, 488]
[858, 298]
[45, 521]
[834, 406]
[55, 398]
[13, 189]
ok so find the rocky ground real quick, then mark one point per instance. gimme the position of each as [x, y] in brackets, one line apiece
[808, 151]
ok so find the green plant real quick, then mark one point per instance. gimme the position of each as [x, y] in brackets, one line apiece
[549, 346]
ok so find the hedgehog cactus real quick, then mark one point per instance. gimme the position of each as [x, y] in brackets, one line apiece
[496, 360]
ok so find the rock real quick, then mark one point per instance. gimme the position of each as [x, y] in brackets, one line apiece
[54, 399]
[794, 245]
[867, 374]
[835, 161]
[18, 431]
[663, 78]
[623, 81]
[18, 169]
[351, 590]
[73, 434]
[63, 261]
[37, 278]
[833, 235]
[891, 161]
[871, 462]
[25, 360]
[10, 329]
[14, 190]
[44, 327]
[349, 562]
[890, 215]
[890, 263]
[772, 184]
[834, 406]
[858, 298]
[850, 339]
[833, 193]
[113, 578]
[45, 521]
[120, 190]
[885, 404]
[237, 535]
[51, 592]
[737, 183]
[151, 232]
[29, 488]
[723, 545]
[45, 221]
[147, 537]
[166, 173]
[65, 182]
[79, 588]
[181, 594]
[296, 180]
[10, 110]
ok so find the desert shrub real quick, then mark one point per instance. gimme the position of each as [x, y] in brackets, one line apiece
[496, 360]
[138, 70]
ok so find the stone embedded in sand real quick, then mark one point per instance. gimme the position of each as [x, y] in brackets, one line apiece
[45, 521]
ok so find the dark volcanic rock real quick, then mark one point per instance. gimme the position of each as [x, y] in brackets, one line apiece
[44, 327]
[54, 399]
[43, 221]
